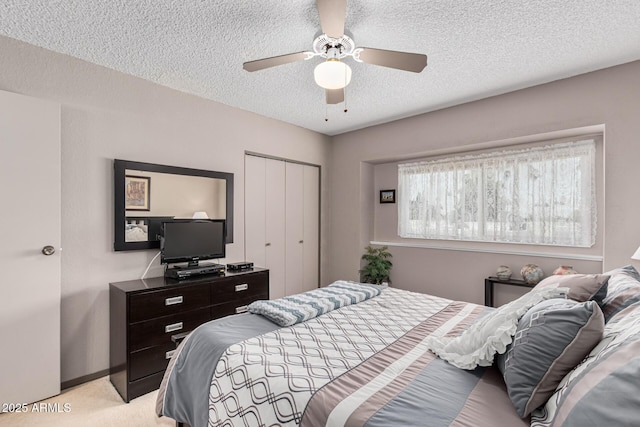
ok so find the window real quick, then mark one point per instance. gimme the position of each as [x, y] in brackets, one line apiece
[541, 195]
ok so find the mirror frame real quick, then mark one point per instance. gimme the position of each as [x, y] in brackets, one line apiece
[120, 167]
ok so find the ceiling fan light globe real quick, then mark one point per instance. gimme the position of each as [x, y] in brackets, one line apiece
[332, 74]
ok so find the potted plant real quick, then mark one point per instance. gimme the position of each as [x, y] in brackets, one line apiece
[378, 266]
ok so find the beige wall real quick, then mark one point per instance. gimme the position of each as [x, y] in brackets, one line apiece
[607, 99]
[107, 115]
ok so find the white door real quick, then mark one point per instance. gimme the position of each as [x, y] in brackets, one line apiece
[254, 210]
[275, 227]
[311, 231]
[264, 219]
[294, 234]
[30, 297]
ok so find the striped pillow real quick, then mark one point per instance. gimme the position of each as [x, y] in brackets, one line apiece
[297, 308]
[624, 290]
[604, 389]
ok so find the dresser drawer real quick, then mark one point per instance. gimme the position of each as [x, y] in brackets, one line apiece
[150, 361]
[159, 330]
[235, 307]
[240, 287]
[165, 302]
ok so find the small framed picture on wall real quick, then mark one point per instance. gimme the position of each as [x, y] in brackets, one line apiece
[387, 196]
[137, 191]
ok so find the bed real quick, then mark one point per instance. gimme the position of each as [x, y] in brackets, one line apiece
[372, 362]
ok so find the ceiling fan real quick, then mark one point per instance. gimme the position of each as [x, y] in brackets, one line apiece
[334, 75]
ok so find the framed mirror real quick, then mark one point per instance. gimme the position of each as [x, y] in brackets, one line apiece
[146, 194]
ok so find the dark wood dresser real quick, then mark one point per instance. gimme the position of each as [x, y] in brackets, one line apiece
[145, 314]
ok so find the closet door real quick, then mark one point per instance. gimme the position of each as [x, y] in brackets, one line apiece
[282, 223]
[254, 210]
[265, 219]
[275, 226]
[311, 227]
[294, 234]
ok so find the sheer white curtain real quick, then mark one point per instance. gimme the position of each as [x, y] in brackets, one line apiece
[540, 195]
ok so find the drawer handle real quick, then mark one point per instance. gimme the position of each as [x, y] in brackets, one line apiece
[173, 300]
[242, 287]
[242, 309]
[169, 354]
[173, 327]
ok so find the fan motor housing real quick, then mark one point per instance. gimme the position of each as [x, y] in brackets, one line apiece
[329, 47]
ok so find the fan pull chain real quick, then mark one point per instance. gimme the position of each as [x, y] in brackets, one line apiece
[345, 91]
[345, 100]
[326, 113]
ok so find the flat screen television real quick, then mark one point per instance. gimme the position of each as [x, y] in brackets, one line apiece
[192, 240]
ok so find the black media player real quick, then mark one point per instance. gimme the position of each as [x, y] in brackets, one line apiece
[237, 266]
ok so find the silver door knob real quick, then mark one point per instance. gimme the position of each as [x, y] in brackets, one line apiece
[48, 250]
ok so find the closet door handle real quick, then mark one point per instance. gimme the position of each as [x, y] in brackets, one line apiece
[301, 241]
[267, 244]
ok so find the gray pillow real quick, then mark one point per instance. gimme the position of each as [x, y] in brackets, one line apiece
[582, 287]
[551, 339]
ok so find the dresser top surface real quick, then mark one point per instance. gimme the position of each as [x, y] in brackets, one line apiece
[165, 282]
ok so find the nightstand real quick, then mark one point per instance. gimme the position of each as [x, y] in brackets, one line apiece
[489, 282]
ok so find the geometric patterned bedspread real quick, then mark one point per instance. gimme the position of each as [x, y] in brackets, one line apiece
[288, 377]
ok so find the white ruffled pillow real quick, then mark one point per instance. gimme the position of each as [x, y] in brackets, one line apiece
[491, 334]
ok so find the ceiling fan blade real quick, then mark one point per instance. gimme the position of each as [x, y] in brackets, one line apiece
[332, 14]
[334, 96]
[414, 62]
[261, 64]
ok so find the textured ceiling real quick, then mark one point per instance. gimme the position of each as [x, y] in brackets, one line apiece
[476, 48]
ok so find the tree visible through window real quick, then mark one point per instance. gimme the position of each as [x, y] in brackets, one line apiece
[540, 195]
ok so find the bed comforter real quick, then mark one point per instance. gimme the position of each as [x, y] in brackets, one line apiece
[362, 365]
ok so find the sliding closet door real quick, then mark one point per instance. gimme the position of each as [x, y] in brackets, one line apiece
[294, 239]
[31, 222]
[311, 227]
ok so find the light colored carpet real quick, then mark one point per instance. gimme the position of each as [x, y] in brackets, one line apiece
[95, 403]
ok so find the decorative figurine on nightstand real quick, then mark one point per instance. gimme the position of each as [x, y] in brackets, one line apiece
[503, 272]
[564, 269]
[532, 274]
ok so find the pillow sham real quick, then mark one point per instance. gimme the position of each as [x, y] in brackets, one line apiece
[623, 290]
[491, 334]
[551, 339]
[582, 287]
[604, 389]
[294, 309]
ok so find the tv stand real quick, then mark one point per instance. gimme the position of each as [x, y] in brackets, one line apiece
[188, 271]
